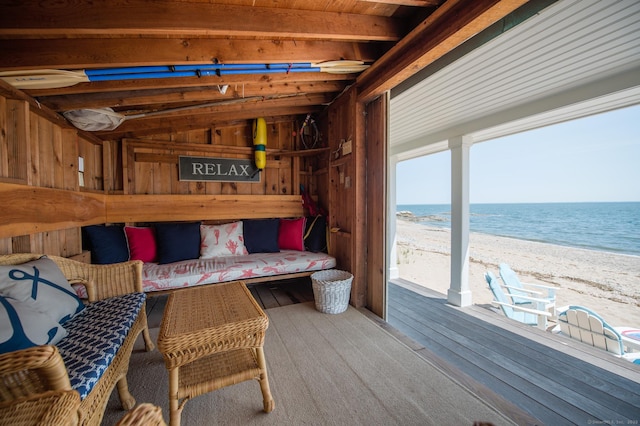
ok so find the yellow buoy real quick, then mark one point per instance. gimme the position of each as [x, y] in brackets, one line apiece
[260, 142]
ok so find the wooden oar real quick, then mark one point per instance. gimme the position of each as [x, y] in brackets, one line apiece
[43, 79]
[51, 79]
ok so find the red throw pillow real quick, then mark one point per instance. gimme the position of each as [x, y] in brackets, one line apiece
[291, 234]
[142, 243]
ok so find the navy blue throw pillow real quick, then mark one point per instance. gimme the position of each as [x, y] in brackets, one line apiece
[108, 244]
[177, 241]
[315, 235]
[261, 235]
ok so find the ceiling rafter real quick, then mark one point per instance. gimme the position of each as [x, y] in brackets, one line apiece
[397, 37]
[150, 98]
[186, 19]
[159, 125]
[418, 3]
[190, 82]
[294, 99]
[448, 27]
[97, 53]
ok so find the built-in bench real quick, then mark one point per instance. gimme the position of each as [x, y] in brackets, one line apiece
[250, 268]
[180, 255]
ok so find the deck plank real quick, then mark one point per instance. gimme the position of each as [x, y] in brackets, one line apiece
[593, 356]
[549, 384]
[504, 406]
[299, 290]
[500, 380]
[546, 364]
[264, 296]
[500, 372]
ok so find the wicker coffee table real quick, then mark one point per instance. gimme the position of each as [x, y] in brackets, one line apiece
[212, 337]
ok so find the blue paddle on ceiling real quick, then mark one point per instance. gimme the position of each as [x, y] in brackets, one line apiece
[52, 79]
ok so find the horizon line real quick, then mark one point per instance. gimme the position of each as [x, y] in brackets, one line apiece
[521, 202]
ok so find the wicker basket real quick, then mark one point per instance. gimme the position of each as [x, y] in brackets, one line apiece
[331, 290]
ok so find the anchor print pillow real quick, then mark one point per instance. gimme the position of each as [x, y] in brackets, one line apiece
[42, 284]
[222, 240]
[23, 326]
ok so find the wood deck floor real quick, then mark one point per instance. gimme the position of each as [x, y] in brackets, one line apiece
[533, 376]
[552, 379]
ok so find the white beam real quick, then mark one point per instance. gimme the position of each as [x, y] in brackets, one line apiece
[392, 248]
[459, 293]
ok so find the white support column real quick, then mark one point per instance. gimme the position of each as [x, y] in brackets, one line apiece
[459, 293]
[392, 249]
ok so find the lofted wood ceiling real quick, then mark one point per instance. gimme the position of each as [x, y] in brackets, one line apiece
[396, 38]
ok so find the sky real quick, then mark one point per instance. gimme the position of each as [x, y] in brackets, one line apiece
[596, 158]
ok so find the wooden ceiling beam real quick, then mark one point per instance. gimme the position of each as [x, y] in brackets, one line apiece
[163, 126]
[189, 19]
[152, 98]
[238, 105]
[448, 27]
[191, 82]
[118, 52]
[417, 3]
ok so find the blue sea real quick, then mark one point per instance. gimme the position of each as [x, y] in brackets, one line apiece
[610, 227]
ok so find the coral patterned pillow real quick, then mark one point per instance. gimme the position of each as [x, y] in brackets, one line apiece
[222, 240]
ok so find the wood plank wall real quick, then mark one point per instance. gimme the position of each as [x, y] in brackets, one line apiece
[150, 165]
[356, 194]
[346, 197]
[131, 181]
[36, 152]
[376, 189]
[340, 198]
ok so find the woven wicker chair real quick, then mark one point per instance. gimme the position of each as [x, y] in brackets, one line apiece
[143, 415]
[48, 408]
[32, 373]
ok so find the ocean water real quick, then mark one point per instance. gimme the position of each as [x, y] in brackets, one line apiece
[611, 227]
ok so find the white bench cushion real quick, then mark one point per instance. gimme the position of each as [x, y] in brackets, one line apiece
[195, 272]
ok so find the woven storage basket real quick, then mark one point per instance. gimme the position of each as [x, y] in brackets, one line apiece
[331, 290]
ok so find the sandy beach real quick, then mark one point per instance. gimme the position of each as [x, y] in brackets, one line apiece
[607, 283]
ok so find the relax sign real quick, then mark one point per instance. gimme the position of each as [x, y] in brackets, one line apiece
[217, 169]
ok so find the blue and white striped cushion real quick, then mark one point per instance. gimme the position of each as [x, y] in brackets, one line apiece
[95, 335]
